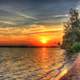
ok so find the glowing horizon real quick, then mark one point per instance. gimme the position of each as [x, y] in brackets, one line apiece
[34, 36]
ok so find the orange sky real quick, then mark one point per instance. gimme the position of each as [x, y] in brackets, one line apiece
[36, 35]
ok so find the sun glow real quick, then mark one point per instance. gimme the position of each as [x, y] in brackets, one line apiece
[44, 39]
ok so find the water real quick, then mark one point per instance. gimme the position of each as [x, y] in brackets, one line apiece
[32, 63]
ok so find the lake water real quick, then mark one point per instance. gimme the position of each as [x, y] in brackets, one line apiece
[32, 63]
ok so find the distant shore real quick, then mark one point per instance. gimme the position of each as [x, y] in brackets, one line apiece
[23, 46]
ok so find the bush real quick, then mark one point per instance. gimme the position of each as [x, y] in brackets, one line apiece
[75, 47]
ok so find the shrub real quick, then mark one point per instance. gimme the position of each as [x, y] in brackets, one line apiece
[75, 47]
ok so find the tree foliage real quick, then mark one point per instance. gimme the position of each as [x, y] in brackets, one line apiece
[72, 30]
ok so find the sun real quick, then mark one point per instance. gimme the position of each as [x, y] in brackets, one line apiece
[44, 39]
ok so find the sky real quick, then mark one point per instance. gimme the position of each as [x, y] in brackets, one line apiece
[39, 17]
[21, 12]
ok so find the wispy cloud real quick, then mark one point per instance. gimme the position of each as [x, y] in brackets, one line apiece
[38, 11]
[26, 32]
[8, 22]
[60, 16]
[25, 16]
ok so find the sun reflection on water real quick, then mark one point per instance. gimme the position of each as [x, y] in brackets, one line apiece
[33, 63]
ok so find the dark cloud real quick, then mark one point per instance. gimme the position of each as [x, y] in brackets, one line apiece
[40, 9]
[36, 1]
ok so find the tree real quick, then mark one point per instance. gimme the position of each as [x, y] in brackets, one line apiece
[72, 30]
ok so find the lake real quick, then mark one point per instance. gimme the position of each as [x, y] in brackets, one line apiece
[33, 63]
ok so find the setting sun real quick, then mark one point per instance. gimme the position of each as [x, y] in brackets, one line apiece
[44, 40]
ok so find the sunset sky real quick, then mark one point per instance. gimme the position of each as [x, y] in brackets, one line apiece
[34, 22]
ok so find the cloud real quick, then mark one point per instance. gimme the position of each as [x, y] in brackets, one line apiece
[25, 16]
[8, 22]
[15, 18]
[36, 11]
[60, 16]
[8, 31]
